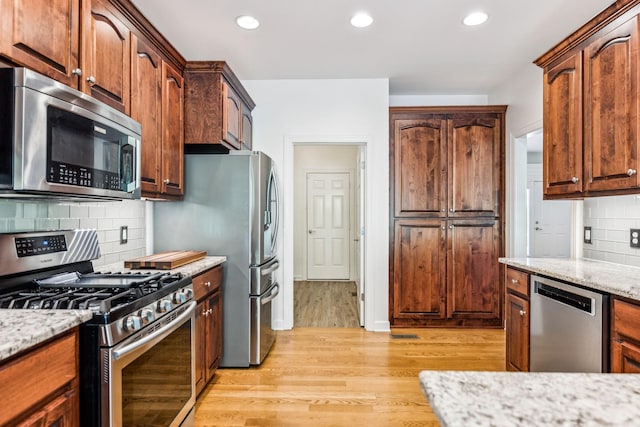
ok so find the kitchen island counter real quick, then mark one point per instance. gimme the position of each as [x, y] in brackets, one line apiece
[617, 279]
[511, 399]
[22, 329]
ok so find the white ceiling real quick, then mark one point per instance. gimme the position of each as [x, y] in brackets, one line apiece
[420, 45]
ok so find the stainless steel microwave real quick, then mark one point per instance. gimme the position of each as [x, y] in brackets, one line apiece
[58, 142]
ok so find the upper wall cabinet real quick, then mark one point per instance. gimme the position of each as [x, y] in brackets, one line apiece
[217, 108]
[591, 117]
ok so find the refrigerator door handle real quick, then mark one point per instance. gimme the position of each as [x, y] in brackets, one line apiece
[273, 267]
[275, 290]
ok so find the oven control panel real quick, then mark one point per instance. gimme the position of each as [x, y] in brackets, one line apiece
[40, 245]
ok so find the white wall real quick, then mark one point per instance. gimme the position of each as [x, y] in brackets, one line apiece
[329, 111]
[106, 217]
[436, 100]
[325, 158]
[523, 94]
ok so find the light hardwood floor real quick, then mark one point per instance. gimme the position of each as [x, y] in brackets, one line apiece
[345, 377]
[325, 304]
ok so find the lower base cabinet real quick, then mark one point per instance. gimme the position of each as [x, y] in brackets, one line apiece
[517, 321]
[625, 337]
[207, 288]
[40, 388]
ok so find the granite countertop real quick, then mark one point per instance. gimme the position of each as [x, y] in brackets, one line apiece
[512, 399]
[22, 329]
[190, 269]
[617, 279]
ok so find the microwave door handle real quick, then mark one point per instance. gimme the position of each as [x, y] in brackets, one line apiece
[117, 354]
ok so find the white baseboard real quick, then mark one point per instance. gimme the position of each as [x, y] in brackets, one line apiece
[380, 326]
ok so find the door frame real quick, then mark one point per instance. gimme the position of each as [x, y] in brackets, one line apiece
[288, 212]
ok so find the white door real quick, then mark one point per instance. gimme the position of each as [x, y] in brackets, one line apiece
[550, 225]
[328, 226]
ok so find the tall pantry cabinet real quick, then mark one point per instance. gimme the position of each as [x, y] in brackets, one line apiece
[447, 210]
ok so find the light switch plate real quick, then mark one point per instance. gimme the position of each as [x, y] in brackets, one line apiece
[634, 238]
[587, 235]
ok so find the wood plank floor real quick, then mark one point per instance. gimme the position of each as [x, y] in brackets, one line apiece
[345, 377]
[325, 304]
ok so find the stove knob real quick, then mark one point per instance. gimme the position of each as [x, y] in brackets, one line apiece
[179, 297]
[132, 323]
[146, 315]
[188, 293]
[163, 306]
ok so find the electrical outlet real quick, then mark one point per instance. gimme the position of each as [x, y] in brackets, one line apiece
[634, 238]
[587, 235]
[124, 234]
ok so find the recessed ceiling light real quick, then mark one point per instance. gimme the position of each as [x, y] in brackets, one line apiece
[361, 20]
[247, 22]
[475, 18]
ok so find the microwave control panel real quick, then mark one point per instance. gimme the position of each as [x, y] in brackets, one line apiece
[30, 246]
[61, 173]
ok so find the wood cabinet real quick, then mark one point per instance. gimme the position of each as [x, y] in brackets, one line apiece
[207, 288]
[625, 337]
[517, 320]
[172, 165]
[40, 387]
[446, 209]
[591, 112]
[217, 108]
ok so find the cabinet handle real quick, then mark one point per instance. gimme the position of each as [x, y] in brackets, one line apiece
[444, 209]
[575, 179]
[444, 228]
[522, 312]
[631, 172]
[166, 181]
[514, 281]
[450, 209]
[76, 72]
[91, 80]
[207, 284]
[204, 313]
[451, 227]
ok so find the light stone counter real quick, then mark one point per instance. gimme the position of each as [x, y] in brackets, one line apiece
[512, 399]
[190, 269]
[22, 329]
[616, 279]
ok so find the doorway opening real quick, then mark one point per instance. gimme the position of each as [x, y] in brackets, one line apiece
[546, 228]
[328, 242]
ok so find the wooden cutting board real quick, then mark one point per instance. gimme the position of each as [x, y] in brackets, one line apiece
[165, 260]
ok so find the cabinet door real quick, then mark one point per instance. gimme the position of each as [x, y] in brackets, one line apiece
[625, 358]
[201, 339]
[611, 109]
[474, 142]
[474, 288]
[42, 35]
[146, 102]
[106, 57]
[172, 171]
[247, 128]
[563, 126]
[232, 110]
[517, 333]
[420, 167]
[419, 270]
[214, 334]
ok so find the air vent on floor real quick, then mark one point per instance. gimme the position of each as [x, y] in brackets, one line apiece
[404, 336]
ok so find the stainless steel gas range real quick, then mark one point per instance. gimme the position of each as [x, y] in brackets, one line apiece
[137, 357]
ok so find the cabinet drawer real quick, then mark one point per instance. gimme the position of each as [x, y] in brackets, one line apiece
[207, 282]
[31, 378]
[626, 319]
[518, 281]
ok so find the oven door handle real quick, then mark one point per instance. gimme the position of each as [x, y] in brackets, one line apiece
[117, 354]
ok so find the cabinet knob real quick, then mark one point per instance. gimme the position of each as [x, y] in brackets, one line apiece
[451, 227]
[444, 209]
[631, 172]
[575, 179]
[91, 80]
[166, 181]
[514, 281]
[522, 312]
[204, 313]
[450, 209]
[207, 284]
[76, 72]
[444, 228]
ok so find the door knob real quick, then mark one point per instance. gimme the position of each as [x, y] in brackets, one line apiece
[312, 231]
[538, 229]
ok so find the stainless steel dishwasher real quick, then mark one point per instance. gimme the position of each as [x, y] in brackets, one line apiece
[568, 328]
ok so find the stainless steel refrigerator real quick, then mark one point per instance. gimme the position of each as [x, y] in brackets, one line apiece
[230, 208]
